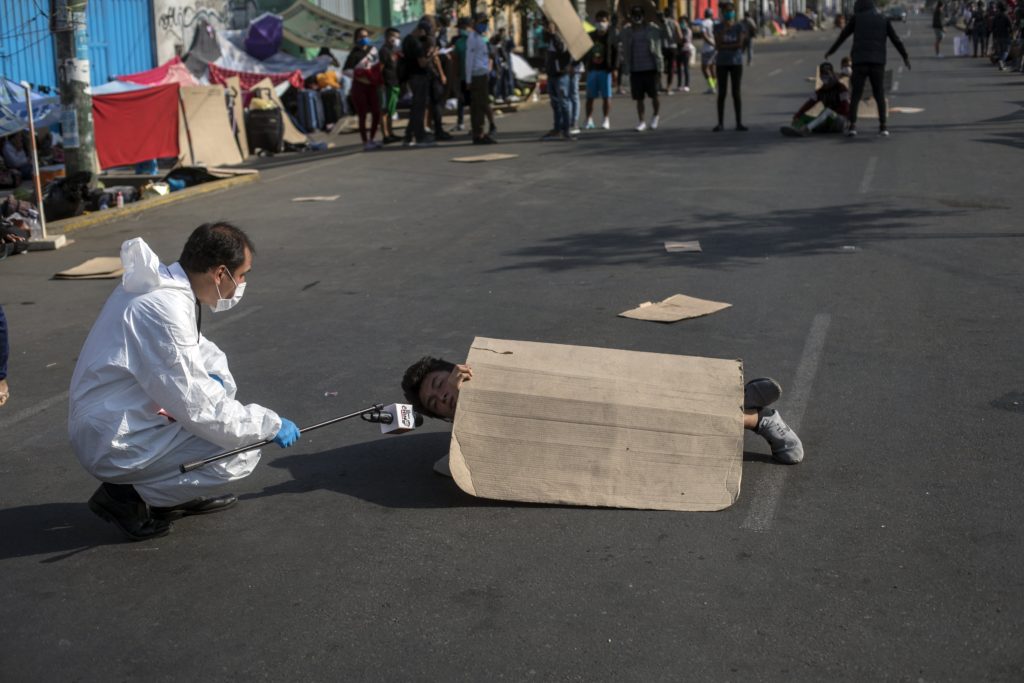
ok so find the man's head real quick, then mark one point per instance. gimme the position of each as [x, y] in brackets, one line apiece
[603, 20]
[426, 25]
[426, 387]
[728, 11]
[709, 13]
[826, 72]
[636, 14]
[480, 22]
[392, 35]
[465, 23]
[217, 258]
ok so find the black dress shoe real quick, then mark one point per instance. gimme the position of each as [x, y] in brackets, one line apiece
[443, 136]
[485, 140]
[132, 518]
[197, 506]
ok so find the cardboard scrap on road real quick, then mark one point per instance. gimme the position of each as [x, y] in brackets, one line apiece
[496, 156]
[673, 247]
[99, 268]
[905, 110]
[327, 198]
[576, 425]
[673, 309]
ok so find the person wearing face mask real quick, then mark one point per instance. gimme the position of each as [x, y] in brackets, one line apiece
[364, 67]
[151, 392]
[731, 38]
[390, 53]
[599, 62]
[833, 96]
[643, 61]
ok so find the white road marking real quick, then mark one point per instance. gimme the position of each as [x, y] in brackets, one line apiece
[799, 61]
[775, 73]
[33, 410]
[869, 174]
[769, 493]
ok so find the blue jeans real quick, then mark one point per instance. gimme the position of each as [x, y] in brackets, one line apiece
[574, 99]
[4, 349]
[558, 92]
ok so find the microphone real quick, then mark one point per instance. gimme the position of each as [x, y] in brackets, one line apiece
[396, 418]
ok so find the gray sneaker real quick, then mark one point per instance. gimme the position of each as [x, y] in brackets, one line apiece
[786, 445]
[761, 393]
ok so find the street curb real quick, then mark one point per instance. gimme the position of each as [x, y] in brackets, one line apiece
[69, 225]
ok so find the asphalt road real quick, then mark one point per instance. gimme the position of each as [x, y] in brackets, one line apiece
[879, 280]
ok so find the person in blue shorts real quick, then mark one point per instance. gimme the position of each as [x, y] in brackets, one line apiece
[599, 62]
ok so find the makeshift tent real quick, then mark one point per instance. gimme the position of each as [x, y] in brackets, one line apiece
[205, 137]
[171, 71]
[234, 56]
[306, 25]
[801, 22]
[204, 49]
[136, 126]
[113, 87]
[263, 39]
[14, 111]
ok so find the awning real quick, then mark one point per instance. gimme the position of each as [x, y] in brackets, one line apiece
[307, 25]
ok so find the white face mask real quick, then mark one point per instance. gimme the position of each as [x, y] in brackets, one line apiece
[227, 304]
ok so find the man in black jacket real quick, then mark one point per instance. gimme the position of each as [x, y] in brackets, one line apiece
[870, 29]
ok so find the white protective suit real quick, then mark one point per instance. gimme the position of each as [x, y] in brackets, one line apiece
[145, 354]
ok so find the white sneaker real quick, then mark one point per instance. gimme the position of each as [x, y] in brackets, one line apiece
[459, 127]
[394, 117]
[590, 124]
[641, 127]
[686, 88]
[654, 123]
[574, 131]
[607, 125]
[884, 132]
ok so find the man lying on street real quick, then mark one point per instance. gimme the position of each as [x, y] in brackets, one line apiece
[432, 386]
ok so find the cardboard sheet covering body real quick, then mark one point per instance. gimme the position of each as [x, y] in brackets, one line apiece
[549, 423]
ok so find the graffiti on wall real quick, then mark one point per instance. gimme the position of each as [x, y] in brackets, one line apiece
[176, 20]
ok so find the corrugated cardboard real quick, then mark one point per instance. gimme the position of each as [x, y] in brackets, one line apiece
[98, 268]
[204, 130]
[576, 425]
[496, 156]
[676, 307]
[690, 246]
[563, 15]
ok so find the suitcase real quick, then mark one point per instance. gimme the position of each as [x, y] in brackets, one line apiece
[265, 130]
[334, 107]
[311, 111]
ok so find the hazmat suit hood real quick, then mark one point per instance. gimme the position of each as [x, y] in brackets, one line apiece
[142, 269]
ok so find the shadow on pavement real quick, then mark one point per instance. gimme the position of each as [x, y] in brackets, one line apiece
[393, 473]
[730, 239]
[62, 528]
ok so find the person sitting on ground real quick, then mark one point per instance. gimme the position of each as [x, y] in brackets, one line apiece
[833, 96]
[16, 155]
[432, 386]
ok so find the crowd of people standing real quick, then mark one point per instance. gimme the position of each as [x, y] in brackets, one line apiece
[993, 30]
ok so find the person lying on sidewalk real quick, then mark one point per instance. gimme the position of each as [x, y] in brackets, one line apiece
[833, 96]
[432, 386]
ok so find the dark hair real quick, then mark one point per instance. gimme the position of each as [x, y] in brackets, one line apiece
[601, 14]
[480, 16]
[464, 22]
[392, 29]
[214, 244]
[363, 29]
[414, 377]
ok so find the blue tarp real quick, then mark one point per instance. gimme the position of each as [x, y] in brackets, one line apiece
[14, 112]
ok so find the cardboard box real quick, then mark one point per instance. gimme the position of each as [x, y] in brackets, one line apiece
[575, 425]
[563, 15]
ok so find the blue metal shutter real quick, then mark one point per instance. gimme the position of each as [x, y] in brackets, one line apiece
[26, 47]
[120, 38]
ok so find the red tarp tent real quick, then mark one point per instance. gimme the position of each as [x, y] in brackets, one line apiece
[136, 126]
[171, 71]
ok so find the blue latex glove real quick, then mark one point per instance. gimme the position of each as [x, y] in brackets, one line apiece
[287, 435]
[217, 379]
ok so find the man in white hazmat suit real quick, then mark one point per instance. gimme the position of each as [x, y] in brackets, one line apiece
[150, 392]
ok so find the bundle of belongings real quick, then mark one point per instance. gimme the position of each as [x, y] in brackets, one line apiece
[19, 222]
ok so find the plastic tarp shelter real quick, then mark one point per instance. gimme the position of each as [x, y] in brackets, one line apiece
[233, 56]
[306, 25]
[46, 109]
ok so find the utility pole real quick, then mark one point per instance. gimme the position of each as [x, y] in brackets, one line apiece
[67, 23]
